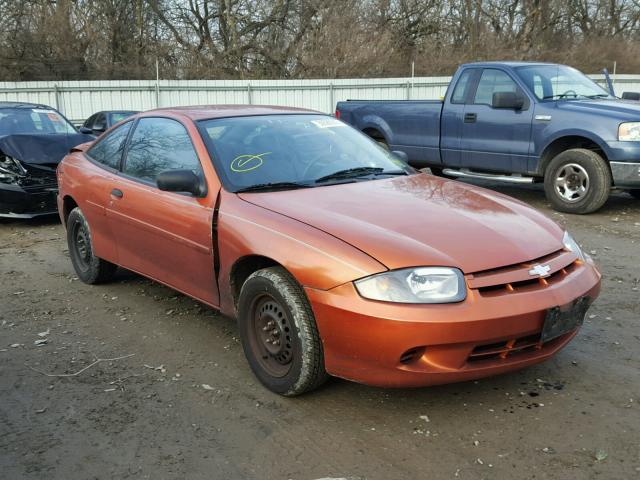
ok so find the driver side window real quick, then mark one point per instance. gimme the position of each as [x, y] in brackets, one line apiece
[158, 145]
[493, 81]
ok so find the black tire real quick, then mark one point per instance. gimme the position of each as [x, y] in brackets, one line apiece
[635, 193]
[273, 307]
[577, 181]
[89, 268]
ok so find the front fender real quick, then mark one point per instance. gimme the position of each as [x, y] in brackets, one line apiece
[315, 258]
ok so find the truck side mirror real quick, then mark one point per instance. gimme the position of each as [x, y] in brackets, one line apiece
[507, 100]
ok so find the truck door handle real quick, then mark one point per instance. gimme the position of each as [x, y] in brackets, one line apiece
[470, 117]
[117, 193]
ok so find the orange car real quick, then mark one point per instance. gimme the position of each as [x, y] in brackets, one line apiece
[336, 257]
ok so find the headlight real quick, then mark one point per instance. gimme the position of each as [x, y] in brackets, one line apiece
[10, 169]
[629, 132]
[572, 245]
[415, 285]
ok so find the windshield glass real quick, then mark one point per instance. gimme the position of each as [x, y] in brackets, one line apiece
[557, 82]
[304, 150]
[33, 120]
[119, 116]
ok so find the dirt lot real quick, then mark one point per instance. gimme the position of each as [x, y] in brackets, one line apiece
[185, 404]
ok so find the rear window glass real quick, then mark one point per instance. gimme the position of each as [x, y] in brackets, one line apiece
[460, 92]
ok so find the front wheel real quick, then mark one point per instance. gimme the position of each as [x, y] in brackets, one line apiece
[89, 268]
[279, 334]
[577, 181]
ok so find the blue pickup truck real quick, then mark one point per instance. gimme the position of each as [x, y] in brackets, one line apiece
[516, 122]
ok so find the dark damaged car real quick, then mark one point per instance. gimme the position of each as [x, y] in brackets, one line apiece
[33, 140]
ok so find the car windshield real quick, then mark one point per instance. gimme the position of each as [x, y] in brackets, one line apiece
[559, 82]
[291, 151]
[33, 120]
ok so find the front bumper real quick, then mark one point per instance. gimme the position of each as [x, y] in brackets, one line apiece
[626, 174]
[394, 345]
[19, 202]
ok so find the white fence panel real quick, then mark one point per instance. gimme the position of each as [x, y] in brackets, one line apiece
[79, 99]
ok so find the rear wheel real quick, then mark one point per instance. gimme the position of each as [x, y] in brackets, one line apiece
[635, 193]
[279, 334]
[577, 181]
[89, 268]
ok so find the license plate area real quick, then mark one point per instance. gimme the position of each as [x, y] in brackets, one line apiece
[561, 320]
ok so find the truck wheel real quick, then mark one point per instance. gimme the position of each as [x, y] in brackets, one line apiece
[279, 334]
[89, 268]
[635, 193]
[577, 181]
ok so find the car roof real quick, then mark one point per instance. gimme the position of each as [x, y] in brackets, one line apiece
[206, 112]
[24, 105]
[512, 64]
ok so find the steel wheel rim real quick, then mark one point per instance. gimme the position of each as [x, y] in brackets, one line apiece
[572, 182]
[270, 336]
[82, 246]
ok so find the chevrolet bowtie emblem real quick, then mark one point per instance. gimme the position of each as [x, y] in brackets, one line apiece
[540, 270]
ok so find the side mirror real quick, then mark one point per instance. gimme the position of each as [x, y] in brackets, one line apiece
[631, 96]
[85, 130]
[507, 100]
[180, 181]
[400, 155]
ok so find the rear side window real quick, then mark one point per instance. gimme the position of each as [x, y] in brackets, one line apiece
[460, 92]
[493, 81]
[108, 150]
[158, 145]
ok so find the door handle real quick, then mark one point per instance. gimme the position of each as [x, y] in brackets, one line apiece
[470, 117]
[117, 193]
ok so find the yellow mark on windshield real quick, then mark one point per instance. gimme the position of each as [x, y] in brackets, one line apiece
[248, 162]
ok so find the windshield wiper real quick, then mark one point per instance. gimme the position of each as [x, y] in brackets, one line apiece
[598, 95]
[273, 186]
[358, 172]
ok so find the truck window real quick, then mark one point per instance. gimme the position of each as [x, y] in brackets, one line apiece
[493, 81]
[460, 92]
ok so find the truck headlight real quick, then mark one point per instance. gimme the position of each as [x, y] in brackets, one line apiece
[629, 132]
[415, 285]
[10, 169]
[571, 245]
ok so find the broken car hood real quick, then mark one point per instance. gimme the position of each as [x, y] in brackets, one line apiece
[422, 220]
[41, 148]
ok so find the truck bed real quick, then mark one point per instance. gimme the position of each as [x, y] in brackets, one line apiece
[412, 126]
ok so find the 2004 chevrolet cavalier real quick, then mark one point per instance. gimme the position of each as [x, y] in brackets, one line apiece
[335, 256]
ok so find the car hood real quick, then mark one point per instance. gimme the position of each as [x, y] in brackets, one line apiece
[40, 148]
[422, 220]
[619, 109]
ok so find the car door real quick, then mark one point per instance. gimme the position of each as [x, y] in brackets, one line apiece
[164, 235]
[452, 118]
[104, 156]
[496, 139]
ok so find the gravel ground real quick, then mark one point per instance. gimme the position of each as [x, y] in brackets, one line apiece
[184, 404]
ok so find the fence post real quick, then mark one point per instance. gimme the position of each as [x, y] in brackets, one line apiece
[56, 92]
[249, 99]
[408, 90]
[332, 102]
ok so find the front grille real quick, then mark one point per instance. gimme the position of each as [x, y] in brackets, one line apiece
[505, 348]
[504, 280]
